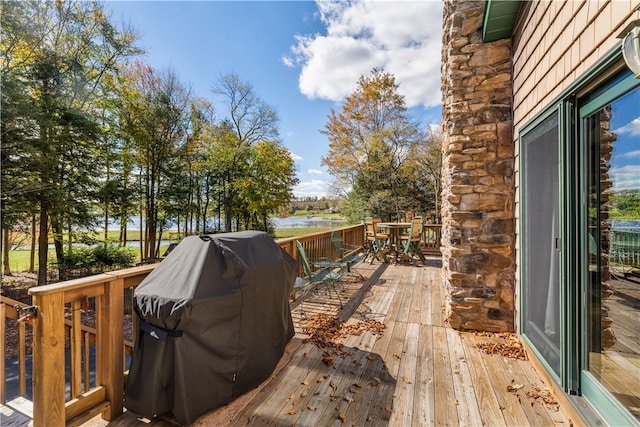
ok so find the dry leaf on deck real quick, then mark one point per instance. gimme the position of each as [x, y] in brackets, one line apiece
[292, 412]
[514, 387]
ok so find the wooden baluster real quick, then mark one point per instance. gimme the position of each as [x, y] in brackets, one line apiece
[75, 336]
[87, 361]
[22, 360]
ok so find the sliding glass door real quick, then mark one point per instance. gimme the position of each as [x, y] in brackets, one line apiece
[610, 140]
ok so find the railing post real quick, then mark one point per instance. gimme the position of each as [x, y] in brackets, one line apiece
[48, 361]
[111, 324]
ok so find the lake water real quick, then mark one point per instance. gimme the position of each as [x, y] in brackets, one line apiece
[302, 222]
[288, 222]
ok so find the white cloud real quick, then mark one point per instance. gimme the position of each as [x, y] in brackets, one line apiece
[313, 188]
[295, 156]
[630, 154]
[632, 128]
[401, 37]
[315, 172]
[625, 177]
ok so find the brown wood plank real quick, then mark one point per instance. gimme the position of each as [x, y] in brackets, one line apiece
[406, 379]
[406, 290]
[508, 403]
[415, 282]
[383, 401]
[424, 398]
[438, 305]
[427, 284]
[446, 412]
[467, 406]
[486, 396]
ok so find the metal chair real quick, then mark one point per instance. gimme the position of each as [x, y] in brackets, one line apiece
[327, 273]
[350, 254]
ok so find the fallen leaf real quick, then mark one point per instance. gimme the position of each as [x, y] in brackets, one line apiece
[305, 382]
[406, 381]
[312, 408]
[514, 387]
[342, 417]
[388, 408]
[292, 412]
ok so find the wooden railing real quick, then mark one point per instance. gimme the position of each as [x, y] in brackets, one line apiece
[431, 237]
[82, 323]
[8, 312]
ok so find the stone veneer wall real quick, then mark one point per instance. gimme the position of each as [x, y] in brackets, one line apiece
[478, 235]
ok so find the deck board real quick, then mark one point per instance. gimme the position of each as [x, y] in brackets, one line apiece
[420, 372]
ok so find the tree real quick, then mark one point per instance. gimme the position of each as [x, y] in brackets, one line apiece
[369, 142]
[156, 120]
[426, 181]
[269, 184]
[60, 51]
[250, 120]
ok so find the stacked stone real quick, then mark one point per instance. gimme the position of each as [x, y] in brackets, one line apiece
[478, 235]
[607, 139]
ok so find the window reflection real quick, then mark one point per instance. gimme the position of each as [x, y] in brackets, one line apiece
[613, 174]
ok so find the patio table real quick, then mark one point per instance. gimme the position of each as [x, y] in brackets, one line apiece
[394, 229]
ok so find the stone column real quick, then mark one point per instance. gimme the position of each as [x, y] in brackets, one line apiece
[478, 233]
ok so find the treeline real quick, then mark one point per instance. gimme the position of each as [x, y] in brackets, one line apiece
[90, 133]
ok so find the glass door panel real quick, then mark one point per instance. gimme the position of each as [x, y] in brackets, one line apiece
[540, 243]
[611, 136]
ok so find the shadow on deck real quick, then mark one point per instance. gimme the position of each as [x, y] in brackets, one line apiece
[418, 372]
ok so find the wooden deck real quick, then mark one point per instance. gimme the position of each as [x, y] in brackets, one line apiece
[419, 372]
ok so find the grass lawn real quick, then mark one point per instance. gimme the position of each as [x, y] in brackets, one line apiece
[19, 259]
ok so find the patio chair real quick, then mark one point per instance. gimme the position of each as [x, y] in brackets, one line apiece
[327, 273]
[377, 242]
[350, 254]
[411, 241]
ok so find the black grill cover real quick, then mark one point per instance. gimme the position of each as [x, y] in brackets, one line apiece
[214, 322]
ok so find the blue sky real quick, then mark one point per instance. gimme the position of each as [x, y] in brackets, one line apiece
[302, 57]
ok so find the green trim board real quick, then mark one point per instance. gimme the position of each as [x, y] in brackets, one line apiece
[499, 18]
